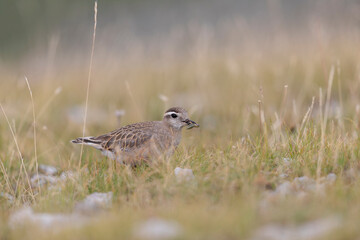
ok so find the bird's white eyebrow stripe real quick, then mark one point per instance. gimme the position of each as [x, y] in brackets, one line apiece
[169, 113]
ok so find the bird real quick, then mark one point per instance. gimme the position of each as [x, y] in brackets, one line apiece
[143, 141]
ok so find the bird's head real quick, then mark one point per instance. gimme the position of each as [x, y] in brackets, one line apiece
[177, 118]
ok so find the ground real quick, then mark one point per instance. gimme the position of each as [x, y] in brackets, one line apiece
[278, 144]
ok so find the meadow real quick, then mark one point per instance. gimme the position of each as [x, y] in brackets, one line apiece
[271, 111]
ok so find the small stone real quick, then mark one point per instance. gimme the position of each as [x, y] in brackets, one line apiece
[45, 221]
[47, 170]
[331, 178]
[94, 203]
[7, 196]
[67, 175]
[300, 188]
[283, 175]
[287, 161]
[184, 174]
[39, 180]
[311, 230]
[155, 228]
[302, 195]
[284, 189]
[305, 183]
[47, 179]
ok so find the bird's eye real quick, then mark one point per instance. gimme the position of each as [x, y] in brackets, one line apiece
[173, 115]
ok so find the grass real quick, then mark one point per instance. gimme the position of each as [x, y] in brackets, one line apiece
[236, 155]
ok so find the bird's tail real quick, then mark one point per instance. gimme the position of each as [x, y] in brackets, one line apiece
[91, 141]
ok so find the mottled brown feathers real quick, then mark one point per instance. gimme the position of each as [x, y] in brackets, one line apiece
[142, 141]
[127, 137]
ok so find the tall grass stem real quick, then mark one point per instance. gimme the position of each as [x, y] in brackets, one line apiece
[34, 130]
[89, 80]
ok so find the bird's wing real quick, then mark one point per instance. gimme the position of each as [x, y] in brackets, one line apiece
[126, 138]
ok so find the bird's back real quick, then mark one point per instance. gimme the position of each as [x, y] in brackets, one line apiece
[136, 142]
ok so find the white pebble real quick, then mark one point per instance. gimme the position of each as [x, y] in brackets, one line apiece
[283, 175]
[7, 196]
[184, 174]
[94, 202]
[287, 161]
[39, 180]
[331, 178]
[47, 170]
[284, 189]
[310, 230]
[155, 228]
[46, 221]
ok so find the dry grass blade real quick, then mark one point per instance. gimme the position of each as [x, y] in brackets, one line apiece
[305, 120]
[19, 152]
[260, 119]
[34, 128]
[324, 122]
[89, 80]
[341, 109]
[271, 152]
[6, 176]
[283, 104]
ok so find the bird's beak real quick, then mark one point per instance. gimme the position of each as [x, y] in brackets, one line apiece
[191, 124]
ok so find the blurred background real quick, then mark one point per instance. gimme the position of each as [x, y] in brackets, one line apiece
[274, 85]
[216, 58]
[54, 30]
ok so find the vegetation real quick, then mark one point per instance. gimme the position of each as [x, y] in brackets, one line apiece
[267, 115]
